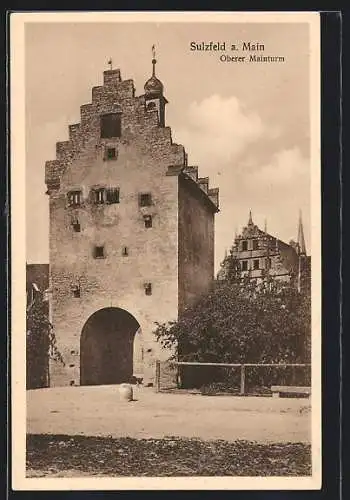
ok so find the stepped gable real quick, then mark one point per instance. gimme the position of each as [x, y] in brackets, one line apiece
[118, 96]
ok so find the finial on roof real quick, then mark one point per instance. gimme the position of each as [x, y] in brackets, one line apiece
[154, 60]
[110, 62]
[265, 226]
[301, 239]
[250, 221]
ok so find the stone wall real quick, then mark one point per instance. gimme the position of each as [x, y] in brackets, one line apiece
[196, 242]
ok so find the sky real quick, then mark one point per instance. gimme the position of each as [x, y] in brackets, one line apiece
[246, 126]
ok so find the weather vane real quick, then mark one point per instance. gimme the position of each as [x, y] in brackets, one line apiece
[154, 51]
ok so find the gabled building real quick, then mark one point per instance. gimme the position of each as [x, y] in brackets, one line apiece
[131, 234]
[259, 254]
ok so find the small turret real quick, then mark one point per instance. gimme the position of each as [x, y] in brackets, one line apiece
[154, 98]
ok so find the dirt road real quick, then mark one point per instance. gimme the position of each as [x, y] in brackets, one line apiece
[98, 411]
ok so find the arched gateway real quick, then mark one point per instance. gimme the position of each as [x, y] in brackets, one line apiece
[107, 347]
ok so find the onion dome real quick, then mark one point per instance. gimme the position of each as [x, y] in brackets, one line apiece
[153, 87]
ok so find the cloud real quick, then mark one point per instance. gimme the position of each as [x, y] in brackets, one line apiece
[219, 129]
[252, 163]
[286, 167]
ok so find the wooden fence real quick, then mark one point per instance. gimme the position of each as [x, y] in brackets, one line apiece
[242, 367]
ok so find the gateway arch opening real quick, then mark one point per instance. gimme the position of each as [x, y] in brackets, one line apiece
[107, 347]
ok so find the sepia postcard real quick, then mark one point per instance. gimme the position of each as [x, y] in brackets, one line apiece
[166, 250]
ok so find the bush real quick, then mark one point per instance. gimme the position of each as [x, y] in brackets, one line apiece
[41, 344]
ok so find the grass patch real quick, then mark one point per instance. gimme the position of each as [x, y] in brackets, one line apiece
[102, 456]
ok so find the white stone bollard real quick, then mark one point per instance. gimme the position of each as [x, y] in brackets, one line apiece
[126, 392]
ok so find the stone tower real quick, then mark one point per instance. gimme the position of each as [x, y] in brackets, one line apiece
[131, 234]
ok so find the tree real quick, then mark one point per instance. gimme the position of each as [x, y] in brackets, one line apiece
[230, 269]
[41, 344]
[243, 322]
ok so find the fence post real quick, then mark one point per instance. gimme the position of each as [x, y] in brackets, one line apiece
[242, 380]
[157, 375]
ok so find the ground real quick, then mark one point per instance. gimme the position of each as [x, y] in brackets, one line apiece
[98, 411]
[211, 435]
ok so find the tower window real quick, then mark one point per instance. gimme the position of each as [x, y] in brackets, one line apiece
[99, 196]
[76, 291]
[99, 252]
[244, 246]
[110, 125]
[244, 265]
[111, 154]
[75, 225]
[256, 264]
[112, 195]
[148, 220]
[255, 244]
[148, 288]
[151, 105]
[74, 198]
[125, 251]
[268, 263]
[145, 199]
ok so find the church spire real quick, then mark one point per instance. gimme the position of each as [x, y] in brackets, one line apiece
[301, 239]
[250, 221]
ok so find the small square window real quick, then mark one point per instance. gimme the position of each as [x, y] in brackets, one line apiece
[148, 288]
[148, 221]
[245, 265]
[111, 154]
[99, 252]
[76, 291]
[145, 199]
[125, 251]
[75, 225]
[256, 264]
[112, 195]
[74, 198]
[244, 246]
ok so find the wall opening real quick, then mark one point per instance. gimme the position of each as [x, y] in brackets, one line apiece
[107, 347]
